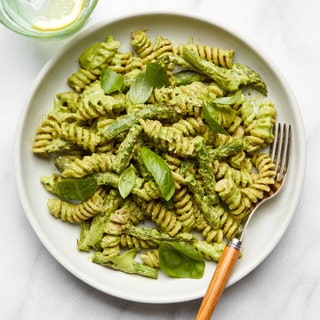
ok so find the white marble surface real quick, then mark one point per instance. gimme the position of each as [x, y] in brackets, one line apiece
[33, 285]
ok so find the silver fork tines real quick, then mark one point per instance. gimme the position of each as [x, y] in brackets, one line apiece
[280, 149]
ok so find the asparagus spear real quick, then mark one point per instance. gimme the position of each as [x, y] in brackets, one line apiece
[205, 169]
[107, 178]
[125, 122]
[126, 263]
[226, 150]
[126, 149]
[152, 234]
[229, 79]
[186, 77]
[203, 202]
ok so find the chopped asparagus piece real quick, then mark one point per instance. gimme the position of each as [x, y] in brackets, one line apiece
[186, 77]
[203, 202]
[126, 149]
[229, 79]
[226, 150]
[107, 178]
[84, 231]
[125, 122]
[148, 234]
[205, 169]
[126, 263]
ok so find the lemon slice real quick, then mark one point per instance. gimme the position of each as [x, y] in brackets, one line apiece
[59, 14]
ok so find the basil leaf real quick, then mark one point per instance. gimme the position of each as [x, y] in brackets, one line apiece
[156, 75]
[126, 181]
[76, 189]
[181, 260]
[228, 100]
[111, 81]
[210, 114]
[160, 172]
[141, 89]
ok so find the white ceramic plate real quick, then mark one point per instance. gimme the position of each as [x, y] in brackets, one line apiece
[265, 230]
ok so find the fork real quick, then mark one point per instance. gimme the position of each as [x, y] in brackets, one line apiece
[279, 152]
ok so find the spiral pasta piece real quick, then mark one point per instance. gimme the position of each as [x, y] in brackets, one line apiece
[63, 161]
[96, 162]
[143, 45]
[223, 170]
[162, 47]
[119, 61]
[95, 103]
[208, 233]
[130, 241]
[186, 100]
[110, 246]
[77, 212]
[168, 138]
[80, 79]
[209, 136]
[238, 159]
[103, 121]
[106, 147]
[44, 137]
[123, 62]
[260, 130]
[185, 208]
[211, 235]
[173, 161]
[240, 199]
[82, 137]
[228, 192]
[147, 50]
[67, 101]
[265, 167]
[149, 191]
[235, 128]
[155, 130]
[242, 210]
[220, 57]
[165, 218]
[109, 241]
[255, 191]
[190, 126]
[151, 258]
[246, 111]
[261, 182]
[118, 221]
[136, 214]
[229, 225]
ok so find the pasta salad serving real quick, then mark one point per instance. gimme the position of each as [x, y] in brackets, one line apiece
[157, 153]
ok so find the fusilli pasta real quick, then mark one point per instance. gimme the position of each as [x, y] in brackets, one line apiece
[210, 139]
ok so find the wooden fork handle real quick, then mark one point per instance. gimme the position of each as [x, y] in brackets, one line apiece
[219, 279]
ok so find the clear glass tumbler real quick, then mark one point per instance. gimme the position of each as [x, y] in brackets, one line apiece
[20, 15]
